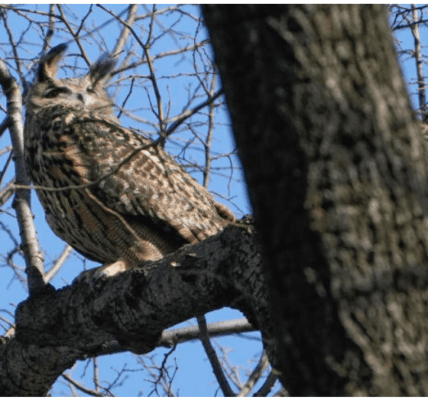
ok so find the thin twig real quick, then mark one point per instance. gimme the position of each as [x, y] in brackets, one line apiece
[81, 387]
[6, 166]
[168, 53]
[75, 36]
[145, 48]
[13, 44]
[59, 263]
[7, 192]
[187, 114]
[153, 76]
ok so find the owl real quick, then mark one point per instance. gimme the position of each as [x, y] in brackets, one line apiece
[115, 196]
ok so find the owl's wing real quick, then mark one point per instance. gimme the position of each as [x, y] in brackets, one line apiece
[135, 178]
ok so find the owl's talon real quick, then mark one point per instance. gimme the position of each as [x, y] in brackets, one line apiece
[94, 276]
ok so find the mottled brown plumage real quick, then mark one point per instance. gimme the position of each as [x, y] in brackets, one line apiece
[134, 203]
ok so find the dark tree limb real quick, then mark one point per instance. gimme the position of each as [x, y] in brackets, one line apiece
[55, 328]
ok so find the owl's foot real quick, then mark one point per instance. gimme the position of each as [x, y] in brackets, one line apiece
[93, 276]
[111, 269]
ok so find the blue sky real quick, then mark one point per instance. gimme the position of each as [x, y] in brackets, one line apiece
[193, 376]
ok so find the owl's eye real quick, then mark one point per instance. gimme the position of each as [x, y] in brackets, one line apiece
[91, 89]
[55, 92]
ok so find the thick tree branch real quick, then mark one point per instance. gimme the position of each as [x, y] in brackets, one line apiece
[62, 326]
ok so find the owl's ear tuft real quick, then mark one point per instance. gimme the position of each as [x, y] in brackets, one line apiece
[48, 65]
[102, 68]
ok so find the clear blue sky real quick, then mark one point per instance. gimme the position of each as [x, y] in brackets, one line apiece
[193, 376]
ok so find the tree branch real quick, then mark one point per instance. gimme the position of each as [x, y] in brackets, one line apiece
[133, 308]
[120, 43]
[255, 376]
[212, 357]
[30, 245]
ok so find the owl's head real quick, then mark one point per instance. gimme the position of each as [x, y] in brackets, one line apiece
[84, 93]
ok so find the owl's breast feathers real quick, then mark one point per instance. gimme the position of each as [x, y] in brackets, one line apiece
[117, 177]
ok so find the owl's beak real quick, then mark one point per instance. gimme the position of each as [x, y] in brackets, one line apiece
[81, 98]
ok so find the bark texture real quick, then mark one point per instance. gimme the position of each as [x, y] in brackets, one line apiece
[54, 328]
[336, 169]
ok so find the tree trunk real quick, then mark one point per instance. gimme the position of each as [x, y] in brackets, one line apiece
[336, 170]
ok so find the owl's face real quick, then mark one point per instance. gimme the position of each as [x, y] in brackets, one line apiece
[76, 93]
[85, 93]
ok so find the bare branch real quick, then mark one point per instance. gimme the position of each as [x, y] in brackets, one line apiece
[216, 329]
[7, 192]
[132, 11]
[13, 45]
[255, 376]
[163, 55]
[207, 143]
[30, 245]
[4, 125]
[212, 357]
[75, 36]
[173, 337]
[187, 114]
[59, 263]
[145, 48]
[6, 166]
[267, 385]
[418, 58]
[81, 387]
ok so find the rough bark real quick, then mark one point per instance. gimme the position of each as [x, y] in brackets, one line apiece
[54, 328]
[336, 170]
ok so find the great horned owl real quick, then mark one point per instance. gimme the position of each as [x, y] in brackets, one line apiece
[119, 199]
